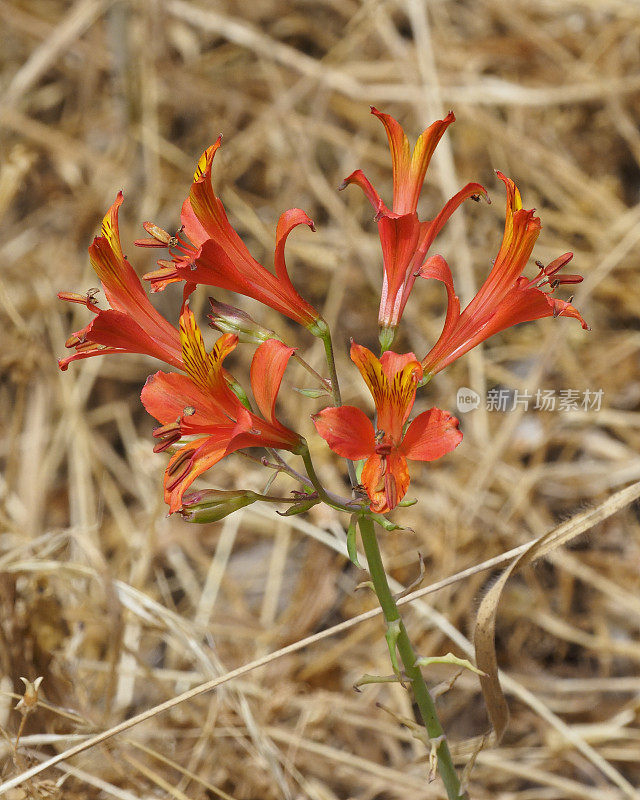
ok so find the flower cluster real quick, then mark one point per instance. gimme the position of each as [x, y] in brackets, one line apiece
[203, 413]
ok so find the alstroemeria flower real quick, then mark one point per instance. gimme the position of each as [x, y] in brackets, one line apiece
[132, 324]
[506, 297]
[404, 239]
[202, 405]
[392, 380]
[207, 250]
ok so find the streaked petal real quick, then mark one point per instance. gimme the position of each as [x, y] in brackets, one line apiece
[403, 374]
[394, 363]
[123, 288]
[210, 215]
[205, 369]
[371, 370]
[431, 434]
[409, 169]
[347, 430]
[392, 381]
[422, 153]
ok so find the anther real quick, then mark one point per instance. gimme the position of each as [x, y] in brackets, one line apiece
[391, 490]
[167, 442]
[166, 430]
[159, 237]
[172, 485]
[180, 460]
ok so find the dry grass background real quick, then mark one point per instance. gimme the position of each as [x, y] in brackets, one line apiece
[120, 608]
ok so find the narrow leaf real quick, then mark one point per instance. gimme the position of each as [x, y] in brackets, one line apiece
[425, 661]
[352, 545]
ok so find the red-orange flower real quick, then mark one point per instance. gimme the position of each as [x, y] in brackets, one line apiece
[404, 239]
[201, 404]
[392, 380]
[132, 324]
[207, 250]
[506, 297]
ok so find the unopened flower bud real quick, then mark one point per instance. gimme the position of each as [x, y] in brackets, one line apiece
[229, 319]
[299, 507]
[212, 505]
[29, 699]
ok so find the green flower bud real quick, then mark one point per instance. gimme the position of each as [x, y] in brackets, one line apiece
[230, 319]
[212, 505]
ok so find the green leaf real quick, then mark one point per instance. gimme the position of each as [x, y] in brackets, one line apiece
[426, 661]
[406, 503]
[393, 631]
[367, 680]
[299, 507]
[386, 523]
[352, 545]
[312, 393]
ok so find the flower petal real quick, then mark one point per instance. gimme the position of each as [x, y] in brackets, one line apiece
[394, 363]
[219, 257]
[423, 151]
[431, 434]
[436, 267]
[117, 329]
[204, 369]
[399, 237]
[188, 463]
[401, 162]
[358, 177]
[347, 430]
[386, 480]
[392, 381]
[171, 397]
[372, 372]
[288, 221]
[431, 229]
[525, 303]
[267, 368]
[122, 285]
[409, 169]
[521, 229]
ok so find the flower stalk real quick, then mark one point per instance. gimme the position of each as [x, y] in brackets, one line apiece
[327, 498]
[335, 392]
[413, 673]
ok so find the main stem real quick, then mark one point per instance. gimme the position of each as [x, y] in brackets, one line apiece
[405, 649]
[335, 391]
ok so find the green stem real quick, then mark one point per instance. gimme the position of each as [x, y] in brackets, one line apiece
[421, 693]
[331, 363]
[327, 498]
[335, 392]
[326, 384]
